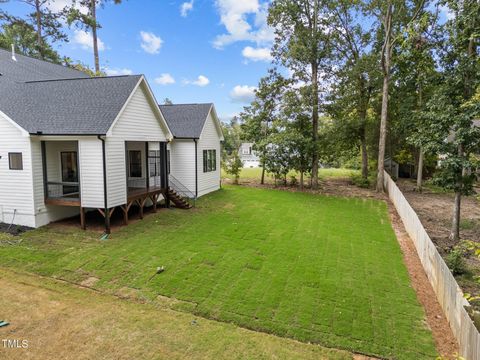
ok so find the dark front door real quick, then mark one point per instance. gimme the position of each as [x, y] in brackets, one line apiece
[70, 172]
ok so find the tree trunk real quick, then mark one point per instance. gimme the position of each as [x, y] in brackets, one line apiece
[386, 53]
[314, 179]
[38, 16]
[455, 232]
[262, 179]
[93, 11]
[301, 180]
[420, 170]
[364, 155]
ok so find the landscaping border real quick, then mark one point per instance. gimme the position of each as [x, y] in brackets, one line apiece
[449, 294]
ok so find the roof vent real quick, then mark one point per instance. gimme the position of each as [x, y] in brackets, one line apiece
[13, 53]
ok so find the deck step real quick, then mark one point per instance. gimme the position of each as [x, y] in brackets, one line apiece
[177, 200]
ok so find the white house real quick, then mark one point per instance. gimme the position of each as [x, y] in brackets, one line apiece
[249, 157]
[194, 152]
[70, 144]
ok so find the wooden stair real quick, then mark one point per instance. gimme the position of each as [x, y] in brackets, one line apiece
[177, 200]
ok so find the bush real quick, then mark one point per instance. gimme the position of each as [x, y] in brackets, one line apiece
[456, 262]
[360, 181]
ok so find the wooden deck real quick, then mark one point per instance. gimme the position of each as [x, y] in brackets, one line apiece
[140, 196]
[63, 201]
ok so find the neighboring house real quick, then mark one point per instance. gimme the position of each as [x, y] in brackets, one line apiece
[248, 156]
[194, 152]
[70, 143]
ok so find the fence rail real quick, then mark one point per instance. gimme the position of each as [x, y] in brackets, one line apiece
[448, 292]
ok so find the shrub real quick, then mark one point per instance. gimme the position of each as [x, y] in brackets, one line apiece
[360, 181]
[456, 262]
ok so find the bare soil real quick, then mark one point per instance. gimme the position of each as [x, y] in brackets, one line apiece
[445, 341]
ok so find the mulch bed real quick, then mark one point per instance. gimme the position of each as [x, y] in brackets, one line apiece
[13, 229]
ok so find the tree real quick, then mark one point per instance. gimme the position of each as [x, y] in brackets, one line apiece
[167, 101]
[355, 76]
[44, 23]
[260, 114]
[88, 21]
[302, 45]
[231, 161]
[24, 37]
[394, 16]
[449, 129]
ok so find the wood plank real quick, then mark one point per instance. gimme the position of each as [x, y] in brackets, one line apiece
[62, 202]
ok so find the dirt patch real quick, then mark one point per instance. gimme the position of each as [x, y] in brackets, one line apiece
[89, 282]
[442, 333]
[13, 229]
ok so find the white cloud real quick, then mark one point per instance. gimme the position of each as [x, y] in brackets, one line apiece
[116, 71]
[59, 5]
[243, 93]
[234, 16]
[257, 54]
[201, 81]
[449, 13]
[85, 40]
[165, 79]
[151, 43]
[186, 7]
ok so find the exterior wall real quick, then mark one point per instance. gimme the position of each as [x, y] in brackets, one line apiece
[45, 214]
[182, 162]
[16, 186]
[209, 140]
[138, 122]
[91, 172]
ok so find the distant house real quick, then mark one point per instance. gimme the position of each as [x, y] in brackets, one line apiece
[194, 151]
[249, 156]
[70, 144]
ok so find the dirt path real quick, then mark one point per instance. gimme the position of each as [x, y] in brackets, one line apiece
[61, 321]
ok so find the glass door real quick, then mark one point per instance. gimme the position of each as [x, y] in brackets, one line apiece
[69, 161]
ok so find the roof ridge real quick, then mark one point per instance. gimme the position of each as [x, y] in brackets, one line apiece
[206, 103]
[79, 78]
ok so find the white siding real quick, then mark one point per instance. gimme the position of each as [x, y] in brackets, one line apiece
[182, 162]
[91, 172]
[209, 140]
[140, 122]
[16, 186]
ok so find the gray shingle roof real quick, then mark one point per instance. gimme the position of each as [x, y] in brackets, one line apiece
[30, 69]
[186, 120]
[52, 99]
[86, 106]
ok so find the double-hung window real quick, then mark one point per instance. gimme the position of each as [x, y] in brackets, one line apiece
[209, 160]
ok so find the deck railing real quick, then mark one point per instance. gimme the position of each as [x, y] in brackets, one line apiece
[59, 189]
[181, 189]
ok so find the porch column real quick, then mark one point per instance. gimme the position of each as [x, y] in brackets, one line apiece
[147, 172]
[164, 172]
[44, 169]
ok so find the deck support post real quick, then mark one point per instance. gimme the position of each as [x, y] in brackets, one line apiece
[82, 218]
[107, 221]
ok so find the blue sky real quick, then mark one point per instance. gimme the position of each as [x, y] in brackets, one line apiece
[190, 51]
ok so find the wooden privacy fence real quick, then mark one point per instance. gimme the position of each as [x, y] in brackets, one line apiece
[448, 292]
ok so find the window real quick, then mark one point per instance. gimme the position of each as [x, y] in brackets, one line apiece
[69, 168]
[209, 160]
[135, 157]
[154, 163]
[15, 161]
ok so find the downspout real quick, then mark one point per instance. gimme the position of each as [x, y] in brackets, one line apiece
[196, 168]
[105, 197]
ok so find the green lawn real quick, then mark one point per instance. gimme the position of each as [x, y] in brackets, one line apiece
[318, 269]
[326, 173]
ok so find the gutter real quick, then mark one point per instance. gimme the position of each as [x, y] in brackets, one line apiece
[105, 197]
[196, 168]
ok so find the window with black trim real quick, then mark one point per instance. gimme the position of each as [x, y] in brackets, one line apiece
[209, 160]
[15, 161]
[154, 162]
[135, 163]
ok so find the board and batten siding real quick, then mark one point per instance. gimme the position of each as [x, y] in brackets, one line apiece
[16, 186]
[139, 121]
[91, 172]
[209, 140]
[182, 162]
